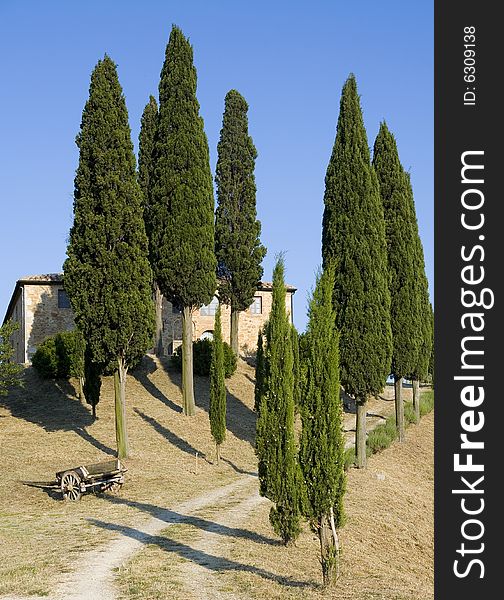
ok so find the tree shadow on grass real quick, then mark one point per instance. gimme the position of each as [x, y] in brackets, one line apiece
[169, 435]
[53, 405]
[209, 561]
[141, 374]
[171, 517]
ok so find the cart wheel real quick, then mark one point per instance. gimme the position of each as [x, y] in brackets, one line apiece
[70, 485]
[114, 488]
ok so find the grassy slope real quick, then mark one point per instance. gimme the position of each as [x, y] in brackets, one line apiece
[44, 429]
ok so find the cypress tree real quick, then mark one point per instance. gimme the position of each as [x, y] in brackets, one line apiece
[107, 274]
[237, 245]
[92, 381]
[296, 368]
[425, 328]
[280, 477]
[145, 178]
[183, 222]
[217, 412]
[353, 236]
[259, 372]
[321, 451]
[404, 308]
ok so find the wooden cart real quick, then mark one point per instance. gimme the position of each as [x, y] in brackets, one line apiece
[104, 476]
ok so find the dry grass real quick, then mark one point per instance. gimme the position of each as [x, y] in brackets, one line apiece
[387, 543]
[44, 429]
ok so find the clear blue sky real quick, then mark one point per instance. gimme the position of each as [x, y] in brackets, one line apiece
[289, 60]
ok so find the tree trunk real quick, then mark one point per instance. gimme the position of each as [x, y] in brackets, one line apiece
[329, 551]
[399, 407]
[360, 433]
[187, 362]
[158, 343]
[120, 409]
[93, 408]
[81, 389]
[416, 399]
[235, 316]
[217, 452]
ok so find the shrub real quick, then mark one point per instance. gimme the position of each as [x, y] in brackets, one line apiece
[202, 357]
[382, 436]
[426, 402]
[45, 359]
[409, 413]
[60, 356]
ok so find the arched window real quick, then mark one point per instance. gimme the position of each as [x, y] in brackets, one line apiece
[207, 335]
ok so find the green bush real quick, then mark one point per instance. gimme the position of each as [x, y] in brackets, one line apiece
[202, 357]
[426, 402]
[409, 413]
[382, 436]
[45, 359]
[60, 356]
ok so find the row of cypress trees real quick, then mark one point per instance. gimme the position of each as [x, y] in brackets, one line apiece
[369, 316]
[370, 236]
[153, 232]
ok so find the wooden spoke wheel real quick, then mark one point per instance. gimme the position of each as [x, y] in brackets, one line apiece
[70, 485]
[114, 487]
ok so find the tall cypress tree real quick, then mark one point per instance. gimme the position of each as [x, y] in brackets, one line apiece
[321, 451]
[107, 273]
[425, 330]
[259, 372]
[146, 178]
[279, 472]
[217, 412]
[237, 245]
[404, 308]
[353, 236]
[183, 221]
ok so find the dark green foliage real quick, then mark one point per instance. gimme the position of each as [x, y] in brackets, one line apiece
[217, 411]
[297, 368]
[202, 358]
[45, 359]
[353, 239]
[182, 194]
[92, 381]
[425, 333]
[322, 444]
[404, 308]
[259, 372]
[237, 245]
[146, 158]
[61, 356]
[70, 347]
[107, 274]
[9, 371]
[280, 477]
[322, 449]
[182, 238]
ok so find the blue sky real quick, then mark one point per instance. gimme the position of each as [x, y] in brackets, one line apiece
[289, 60]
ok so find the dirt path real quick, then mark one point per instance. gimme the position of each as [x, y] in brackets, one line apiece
[92, 577]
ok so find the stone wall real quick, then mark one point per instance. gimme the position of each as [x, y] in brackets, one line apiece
[43, 317]
[249, 324]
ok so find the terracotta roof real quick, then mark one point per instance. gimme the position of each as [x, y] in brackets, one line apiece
[48, 278]
[268, 285]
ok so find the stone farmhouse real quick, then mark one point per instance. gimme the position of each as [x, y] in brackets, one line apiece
[41, 306]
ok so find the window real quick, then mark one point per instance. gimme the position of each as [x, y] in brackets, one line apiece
[256, 306]
[207, 335]
[63, 299]
[209, 310]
